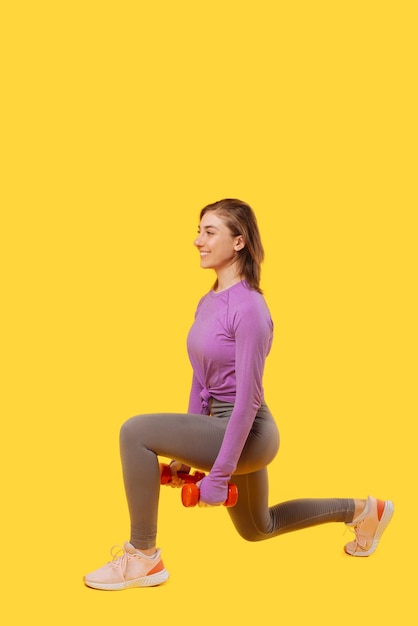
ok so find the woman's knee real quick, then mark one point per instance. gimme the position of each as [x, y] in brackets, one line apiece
[132, 429]
[249, 533]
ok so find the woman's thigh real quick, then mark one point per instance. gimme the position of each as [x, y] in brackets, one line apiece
[192, 439]
[196, 439]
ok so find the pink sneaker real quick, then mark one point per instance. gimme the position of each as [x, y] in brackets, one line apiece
[369, 527]
[131, 569]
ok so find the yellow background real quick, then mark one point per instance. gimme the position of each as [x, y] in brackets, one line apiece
[120, 121]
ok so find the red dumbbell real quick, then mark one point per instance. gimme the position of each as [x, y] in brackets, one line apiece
[190, 491]
[190, 494]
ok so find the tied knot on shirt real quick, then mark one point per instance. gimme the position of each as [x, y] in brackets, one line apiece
[205, 399]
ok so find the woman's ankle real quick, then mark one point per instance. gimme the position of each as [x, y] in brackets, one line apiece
[359, 506]
[147, 551]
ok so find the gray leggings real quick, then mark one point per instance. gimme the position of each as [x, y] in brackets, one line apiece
[195, 440]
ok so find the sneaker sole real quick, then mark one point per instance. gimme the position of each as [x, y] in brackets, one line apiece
[146, 581]
[382, 525]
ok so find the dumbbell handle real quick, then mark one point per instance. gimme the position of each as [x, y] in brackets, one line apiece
[190, 495]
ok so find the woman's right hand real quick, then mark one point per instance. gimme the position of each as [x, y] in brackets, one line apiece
[175, 467]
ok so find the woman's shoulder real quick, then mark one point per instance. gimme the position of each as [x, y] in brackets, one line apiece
[248, 300]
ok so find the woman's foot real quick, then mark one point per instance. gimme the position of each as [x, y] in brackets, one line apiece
[369, 526]
[130, 569]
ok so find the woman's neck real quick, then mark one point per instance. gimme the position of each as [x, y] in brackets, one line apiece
[225, 280]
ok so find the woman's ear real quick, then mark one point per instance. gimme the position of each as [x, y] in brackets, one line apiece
[239, 243]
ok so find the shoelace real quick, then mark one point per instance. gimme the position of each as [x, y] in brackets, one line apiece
[360, 540]
[120, 560]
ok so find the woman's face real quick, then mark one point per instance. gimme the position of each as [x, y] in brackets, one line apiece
[217, 246]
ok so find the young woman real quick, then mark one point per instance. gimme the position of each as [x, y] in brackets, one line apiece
[228, 430]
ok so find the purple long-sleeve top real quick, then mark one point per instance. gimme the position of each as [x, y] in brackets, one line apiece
[228, 344]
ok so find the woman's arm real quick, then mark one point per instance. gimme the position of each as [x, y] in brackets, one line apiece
[253, 334]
